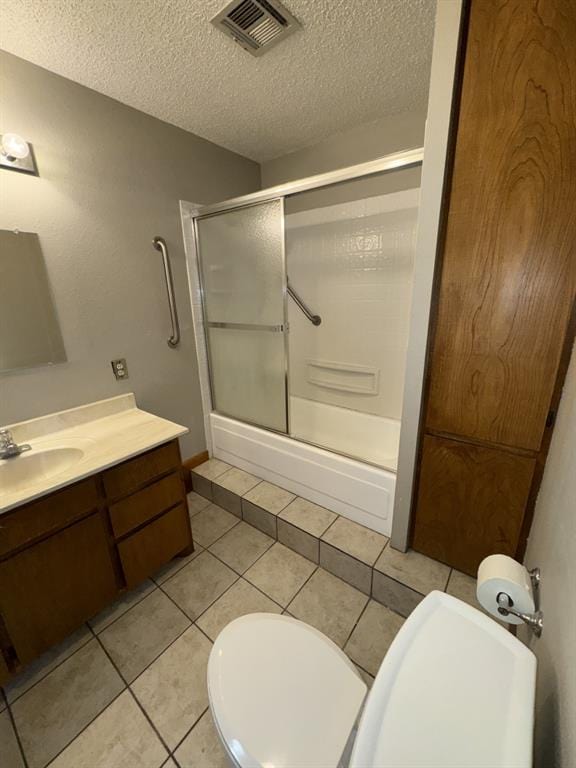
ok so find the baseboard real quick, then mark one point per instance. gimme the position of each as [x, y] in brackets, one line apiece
[189, 464]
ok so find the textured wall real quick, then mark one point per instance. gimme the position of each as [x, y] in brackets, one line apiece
[552, 547]
[357, 145]
[350, 63]
[110, 179]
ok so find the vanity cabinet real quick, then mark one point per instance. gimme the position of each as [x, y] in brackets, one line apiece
[50, 588]
[66, 556]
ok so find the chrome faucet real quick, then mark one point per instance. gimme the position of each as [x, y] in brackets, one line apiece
[8, 448]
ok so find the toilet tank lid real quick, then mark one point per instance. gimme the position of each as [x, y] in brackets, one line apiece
[455, 689]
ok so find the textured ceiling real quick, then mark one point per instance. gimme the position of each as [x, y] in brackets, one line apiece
[354, 61]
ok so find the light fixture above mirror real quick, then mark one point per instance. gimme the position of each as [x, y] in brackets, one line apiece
[16, 154]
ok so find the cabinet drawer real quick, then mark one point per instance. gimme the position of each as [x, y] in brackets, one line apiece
[32, 521]
[131, 475]
[146, 551]
[143, 505]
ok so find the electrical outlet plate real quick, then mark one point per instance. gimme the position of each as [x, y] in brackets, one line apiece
[120, 368]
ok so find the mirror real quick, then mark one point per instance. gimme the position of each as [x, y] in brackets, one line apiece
[29, 329]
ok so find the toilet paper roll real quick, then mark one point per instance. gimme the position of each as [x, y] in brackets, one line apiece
[500, 573]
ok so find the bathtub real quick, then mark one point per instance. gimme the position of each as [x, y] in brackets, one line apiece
[351, 488]
[359, 435]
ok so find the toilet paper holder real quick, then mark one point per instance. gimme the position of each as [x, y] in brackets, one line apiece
[533, 620]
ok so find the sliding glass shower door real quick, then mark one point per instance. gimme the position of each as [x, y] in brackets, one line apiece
[241, 256]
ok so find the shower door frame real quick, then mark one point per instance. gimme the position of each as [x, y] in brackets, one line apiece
[388, 163]
[282, 329]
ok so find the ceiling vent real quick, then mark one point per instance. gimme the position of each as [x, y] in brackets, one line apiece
[256, 25]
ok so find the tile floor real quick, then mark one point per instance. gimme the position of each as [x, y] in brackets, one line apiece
[128, 690]
[347, 550]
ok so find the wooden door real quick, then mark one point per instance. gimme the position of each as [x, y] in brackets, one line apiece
[49, 589]
[508, 280]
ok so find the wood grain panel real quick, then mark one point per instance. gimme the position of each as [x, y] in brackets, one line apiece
[509, 266]
[471, 502]
[49, 589]
[133, 474]
[191, 463]
[4, 671]
[146, 551]
[39, 518]
[151, 501]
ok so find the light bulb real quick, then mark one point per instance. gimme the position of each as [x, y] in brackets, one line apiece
[14, 147]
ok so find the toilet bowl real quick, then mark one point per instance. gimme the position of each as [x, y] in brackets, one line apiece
[455, 689]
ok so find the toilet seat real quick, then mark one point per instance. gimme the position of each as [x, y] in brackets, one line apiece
[281, 693]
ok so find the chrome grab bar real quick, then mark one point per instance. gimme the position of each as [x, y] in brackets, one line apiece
[160, 245]
[314, 319]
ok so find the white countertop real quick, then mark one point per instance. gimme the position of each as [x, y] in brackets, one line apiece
[108, 432]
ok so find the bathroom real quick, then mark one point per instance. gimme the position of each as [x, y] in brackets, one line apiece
[290, 344]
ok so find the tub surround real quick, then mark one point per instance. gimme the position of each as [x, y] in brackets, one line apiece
[351, 488]
[107, 431]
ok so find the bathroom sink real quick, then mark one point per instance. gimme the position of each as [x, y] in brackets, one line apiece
[36, 466]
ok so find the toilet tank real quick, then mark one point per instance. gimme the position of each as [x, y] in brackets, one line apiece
[455, 690]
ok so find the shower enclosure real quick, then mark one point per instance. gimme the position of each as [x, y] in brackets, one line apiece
[302, 300]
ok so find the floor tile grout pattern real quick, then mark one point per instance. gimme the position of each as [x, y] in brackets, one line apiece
[366, 650]
[209, 475]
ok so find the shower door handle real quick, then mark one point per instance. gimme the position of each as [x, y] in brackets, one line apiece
[160, 245]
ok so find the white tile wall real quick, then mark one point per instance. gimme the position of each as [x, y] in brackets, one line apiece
[352, 263]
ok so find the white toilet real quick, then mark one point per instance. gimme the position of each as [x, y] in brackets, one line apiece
[454, 690]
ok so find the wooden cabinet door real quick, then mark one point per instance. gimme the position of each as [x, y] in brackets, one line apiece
[509, 263]
[507, 285]
[49, 589]
[144, 552]
[471, 502]
[4, 673]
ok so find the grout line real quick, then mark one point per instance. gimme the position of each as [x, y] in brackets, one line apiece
[262, 593]
[127, 592]
[306, 533]
[330, 526]
[188, 732]
[128, 688]
[303, 585]
[251, 564]
[359, 562]
[204, 633]
[16, 734]
[81, 731]
[151, 723]
[198, 549]
[402, 584]
[319, 538]
[362, 612]
[208, 606]
[363, 668]
[349, 554]
[8, 704]
[178, 636]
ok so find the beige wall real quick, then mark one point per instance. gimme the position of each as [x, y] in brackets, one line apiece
[552, 547]
[357, 145]
[110, 180]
